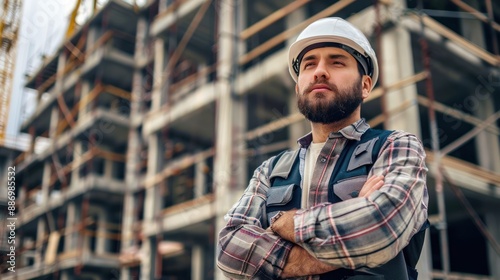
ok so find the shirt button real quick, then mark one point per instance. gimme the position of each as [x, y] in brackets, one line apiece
[323, 160]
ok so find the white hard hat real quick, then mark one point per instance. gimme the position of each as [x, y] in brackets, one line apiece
[336, 32]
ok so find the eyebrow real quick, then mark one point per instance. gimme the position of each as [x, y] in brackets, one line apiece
[330, 56]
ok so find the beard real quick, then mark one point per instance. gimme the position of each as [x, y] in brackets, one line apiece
[320, 109]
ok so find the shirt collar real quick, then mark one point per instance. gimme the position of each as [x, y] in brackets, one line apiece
[352, 132]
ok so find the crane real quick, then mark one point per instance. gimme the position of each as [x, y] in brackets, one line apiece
[72, 21]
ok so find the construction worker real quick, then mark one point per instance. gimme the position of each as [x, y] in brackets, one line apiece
[349, 200]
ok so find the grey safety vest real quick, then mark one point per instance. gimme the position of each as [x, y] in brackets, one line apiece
[349, 175]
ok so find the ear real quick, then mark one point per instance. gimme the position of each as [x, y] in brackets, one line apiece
[366, 86]
[296, 89]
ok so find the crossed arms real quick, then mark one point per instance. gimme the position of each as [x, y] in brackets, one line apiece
[362, 232]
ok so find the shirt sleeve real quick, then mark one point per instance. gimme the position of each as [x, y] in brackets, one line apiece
[245, 249]
[368, 232]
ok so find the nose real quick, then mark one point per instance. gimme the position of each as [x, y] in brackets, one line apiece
[321, 71]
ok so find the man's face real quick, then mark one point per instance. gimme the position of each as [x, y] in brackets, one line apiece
[329, 87]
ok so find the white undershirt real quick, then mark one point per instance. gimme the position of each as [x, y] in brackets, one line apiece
[312, 154]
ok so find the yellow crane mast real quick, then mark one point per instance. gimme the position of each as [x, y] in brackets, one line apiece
[9, 28]
[72, 25]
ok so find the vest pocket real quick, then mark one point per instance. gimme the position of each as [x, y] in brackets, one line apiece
[280, 195]
[281, 198]
[362, 155]
[349, 188]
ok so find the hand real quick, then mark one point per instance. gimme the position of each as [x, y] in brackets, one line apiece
[301, 263]
[372, 184]
[284, 226]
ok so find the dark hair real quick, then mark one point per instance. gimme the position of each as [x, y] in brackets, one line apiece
[360, 69]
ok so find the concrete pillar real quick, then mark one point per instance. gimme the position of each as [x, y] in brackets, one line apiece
[61, 64]
[298, 129]
[224, 164]
[487, 144]
[396, 63]
[139, 56]
[47, 173]
[75, 173]
[72, 217]
[163, 5]
[203, 79]
[87, 86]
[159, 81]
[128, 220]
[200, 182]
[54, 121]
[108, 168]
[481, 101]
[129, 202]
[125, 274]
[152, 202]
[141, 38]
[40, 239]
[197, 257]
[65, 275]
[472, 29]
[92, 36]
[22, 198]
[148, 262]
[493, 224]
[84, 109]
[102, 242]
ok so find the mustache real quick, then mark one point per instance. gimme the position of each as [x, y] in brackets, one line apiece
[330, 86]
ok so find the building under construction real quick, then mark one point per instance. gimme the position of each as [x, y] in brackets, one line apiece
[156, 116]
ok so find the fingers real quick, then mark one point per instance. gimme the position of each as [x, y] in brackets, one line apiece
[372, 184]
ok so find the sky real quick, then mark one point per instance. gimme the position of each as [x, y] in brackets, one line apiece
[41, 32]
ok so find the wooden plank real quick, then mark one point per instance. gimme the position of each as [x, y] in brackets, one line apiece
[277, 15]
[471, 134]
[111, 155]
[170, 9]
[273, 126]
[457, 114]
[464, 6]
[193, 77]
[116, 91]
[452, 36]
[377, 92]
[382, 117]
[181, 207]
[51, 252]
[292, 31]
[467, 167]
[70, 254]
[186, 37]
[177, 165]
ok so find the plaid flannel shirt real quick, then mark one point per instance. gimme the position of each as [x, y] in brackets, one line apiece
[359, 232]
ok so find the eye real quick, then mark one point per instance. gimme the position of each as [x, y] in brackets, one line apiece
[338, 62]
[308, 65]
